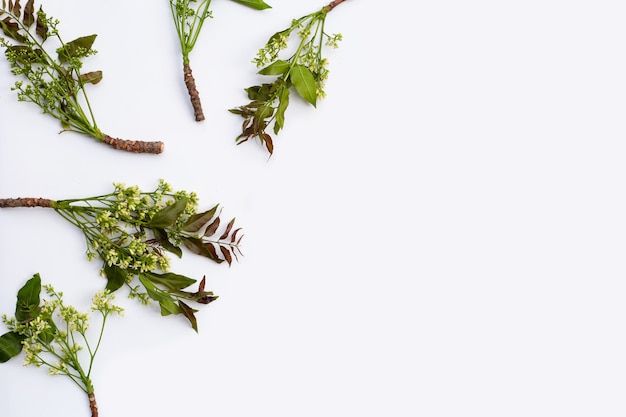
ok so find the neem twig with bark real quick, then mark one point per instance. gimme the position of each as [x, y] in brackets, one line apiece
[51, 334]
[130, 231]
[306, 71]
[189, 16]
[56, 84]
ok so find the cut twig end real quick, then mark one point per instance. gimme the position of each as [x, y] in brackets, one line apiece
[25, 202]
[194, 95]
[136, 146]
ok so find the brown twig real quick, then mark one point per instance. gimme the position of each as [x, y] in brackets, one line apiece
[194, 95]
[136, 146]
[333, 4]
[93, 405]
[25, 202]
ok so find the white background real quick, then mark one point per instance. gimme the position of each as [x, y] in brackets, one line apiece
[443, 236]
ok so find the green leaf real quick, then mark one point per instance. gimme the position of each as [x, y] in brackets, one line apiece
[188, 313]
[197, 221]
[166, 301]
[168, 215]
[93, 77]
[11, 29]
[10, 345]
[27, 306]
[283, 103]
[255, 4]
[261, 92]
[304, 83]
[201, 248]
[170, 280]
[161, 235]
[275, 68]
[77, 48]
[116, 277]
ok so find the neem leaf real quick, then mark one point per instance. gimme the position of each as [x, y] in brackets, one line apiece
[27, 306]
[10, 345]
[16, 8]
[168, 215]
[29, 13]
[93, 77]
[170, 280]
[255, 4]
[77, 48]
[212, 228]
[116, 277]
[261, 92]
[226, 252]
[279, 121]
[304, 82]
[11, 29]
[188, 313]
[41, 27]
[228, 229]
[166, 302]
[161, 235]
[275, 68]
[197, 221]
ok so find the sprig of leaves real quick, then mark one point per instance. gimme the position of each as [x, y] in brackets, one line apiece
[54, 81]
[305, 70]
[131, 231]
[51, 334]
[189, 17]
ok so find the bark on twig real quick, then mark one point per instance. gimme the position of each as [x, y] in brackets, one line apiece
[194, 95]
[137, 146]
[334, 4]
[25, 202]
[93, 405]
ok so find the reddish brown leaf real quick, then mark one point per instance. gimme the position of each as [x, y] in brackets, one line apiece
[212, 228]
[234, 235]
[228, 229]
[201, 285]
[226, 252]
[213, 253]
[197, 221]
[188, 313]
[29, 13]
[16, 9]
[267, 140]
